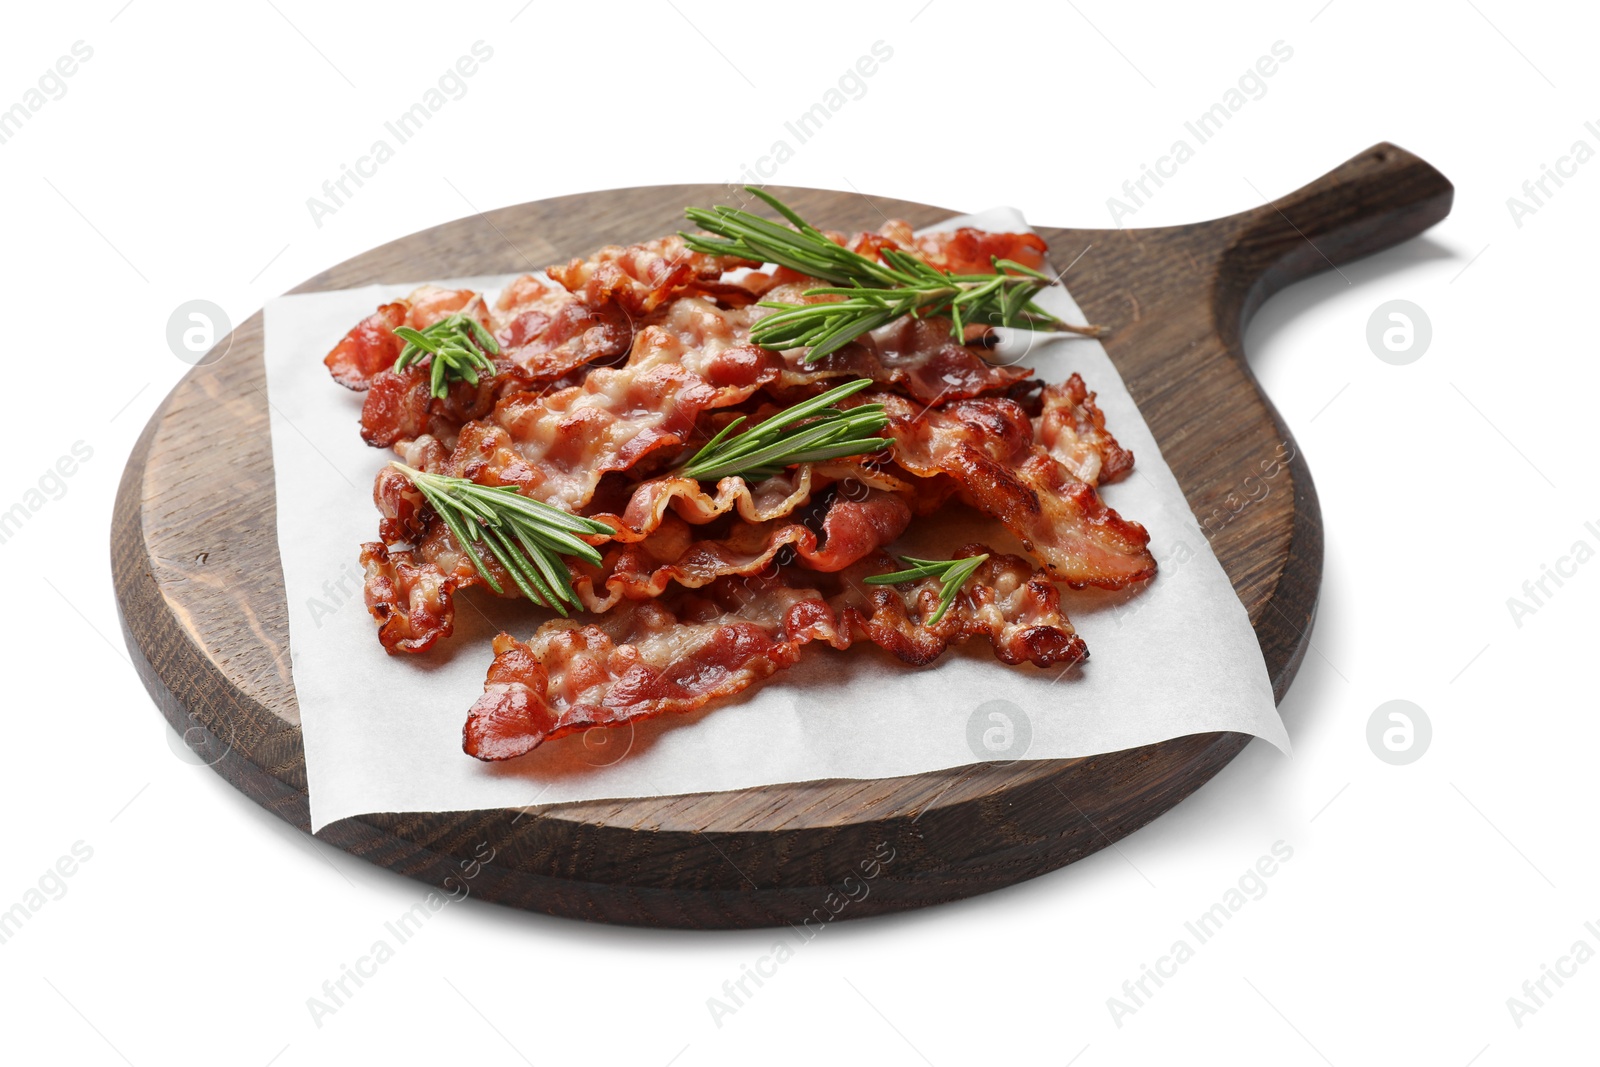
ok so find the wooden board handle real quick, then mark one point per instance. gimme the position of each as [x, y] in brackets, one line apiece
[1372, 201]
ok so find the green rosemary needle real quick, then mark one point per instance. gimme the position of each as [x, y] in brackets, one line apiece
[458, 346]
[809, 432]
[952, 575]
[873, 293]
[526, 536]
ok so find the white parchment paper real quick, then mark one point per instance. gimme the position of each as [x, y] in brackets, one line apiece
[383, 733]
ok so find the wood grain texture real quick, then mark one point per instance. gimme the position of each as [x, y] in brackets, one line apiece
[199, 580]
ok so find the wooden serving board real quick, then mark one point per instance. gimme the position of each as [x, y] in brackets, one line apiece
[199, 581]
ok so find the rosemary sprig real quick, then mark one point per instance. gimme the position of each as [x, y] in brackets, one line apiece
[952, 575]
[873, 293]
[987, 299]
[804, 248]
[458, 345]
[809, 432]
[526, 536]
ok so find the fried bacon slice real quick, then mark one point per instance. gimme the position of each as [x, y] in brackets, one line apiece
[409, 590]
[640, 278]
[983, 448]
[558, 446]
[556, 449]
[551, 330]
[546, 335]
[1073, 428]
[1007, 600]
[371, 345]
[915, 355]
[986, 446]
[960, 251]
[970, 251]
[675, 654]
[544, 332]
[650, 501]
[404, 512]
[412, 601]
[547, 330]
[646, 658]
[401, 406]
[677, 553]
[549, 333]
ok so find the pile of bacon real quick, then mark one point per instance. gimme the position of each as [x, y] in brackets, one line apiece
[622, 368]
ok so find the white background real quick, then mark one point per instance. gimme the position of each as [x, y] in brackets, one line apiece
[1419, 898]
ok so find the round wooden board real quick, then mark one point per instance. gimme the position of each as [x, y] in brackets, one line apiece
[199, 580]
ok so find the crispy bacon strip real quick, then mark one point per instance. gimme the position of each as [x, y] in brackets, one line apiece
[969, 251]
[404, 513]
[867, 510]
[412, 602]
[1006, 600]
[557, 447]
[961, 251]
[401, 407]
[548, 333]
[916, 355]
[371, 345]
[644, 659]
[544, 332]
[1073, 428]
[653, 657]
[982, 447]
[986, 445]
[641, 277]
[673, 554]
[649, 502]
